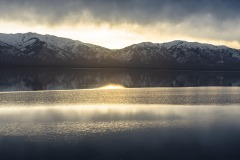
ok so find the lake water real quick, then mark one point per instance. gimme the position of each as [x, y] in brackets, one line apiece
[119, 114]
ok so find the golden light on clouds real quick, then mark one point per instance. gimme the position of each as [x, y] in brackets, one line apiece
[118, 24]
[103, 35]
[114, 36]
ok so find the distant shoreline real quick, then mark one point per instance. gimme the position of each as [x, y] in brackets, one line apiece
[112, 68]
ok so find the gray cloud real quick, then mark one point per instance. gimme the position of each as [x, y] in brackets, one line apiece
[137, 11]
[210, 18]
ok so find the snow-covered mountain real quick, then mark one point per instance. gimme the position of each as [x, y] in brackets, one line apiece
[33, 49]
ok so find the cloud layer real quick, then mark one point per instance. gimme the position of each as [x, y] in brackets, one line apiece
[205, 19]
[139, 11]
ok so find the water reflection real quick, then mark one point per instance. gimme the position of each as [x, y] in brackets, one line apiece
[100, 113]
[114, 122]
[177, 96]
[120, 132]
[112, 86]
[62, 79]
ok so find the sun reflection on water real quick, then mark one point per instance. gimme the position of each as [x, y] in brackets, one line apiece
[112, 86]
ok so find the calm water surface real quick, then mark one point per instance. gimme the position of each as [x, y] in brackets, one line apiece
[114, 122]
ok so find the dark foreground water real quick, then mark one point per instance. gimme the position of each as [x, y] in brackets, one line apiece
[117, 123]
[23, 79]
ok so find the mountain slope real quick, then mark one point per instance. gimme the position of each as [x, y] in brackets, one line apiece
[44, 50]
[183, 55]
[33, 49]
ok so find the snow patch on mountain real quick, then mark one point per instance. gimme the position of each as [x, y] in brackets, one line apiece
[22, 40]
[235, 55]
[62, 51]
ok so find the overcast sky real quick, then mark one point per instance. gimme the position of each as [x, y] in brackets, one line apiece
[118, 23]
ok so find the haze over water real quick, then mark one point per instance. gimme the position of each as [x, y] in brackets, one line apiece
[111, 121]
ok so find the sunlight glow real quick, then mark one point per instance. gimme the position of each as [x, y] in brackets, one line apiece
[112, 86]
[98, 112]
[112, 36]
[103, 34]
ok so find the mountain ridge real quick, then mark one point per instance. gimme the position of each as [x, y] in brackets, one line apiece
[32, 49]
